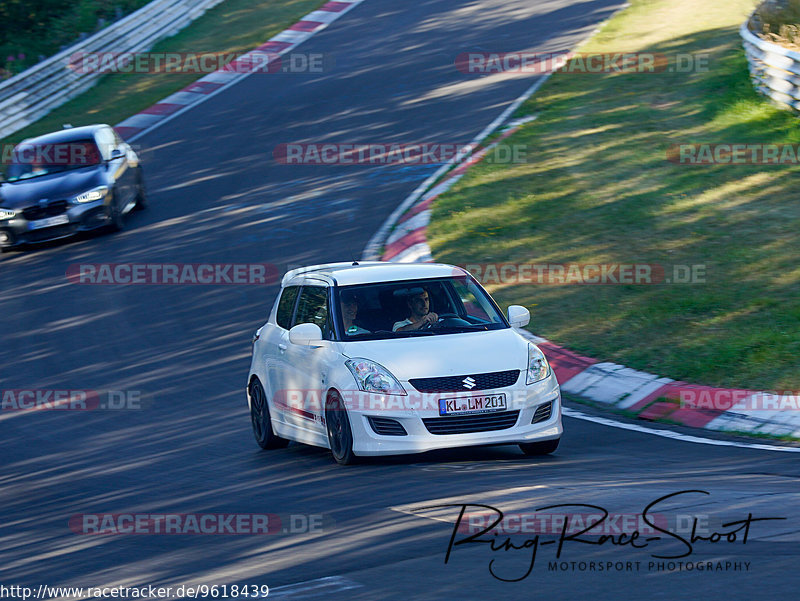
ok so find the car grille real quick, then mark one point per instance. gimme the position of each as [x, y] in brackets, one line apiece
[50, 233]
[387, 427]
[542, 413]
[496, 379]
[464, 424]
[51, 210]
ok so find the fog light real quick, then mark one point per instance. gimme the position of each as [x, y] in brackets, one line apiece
[4, 238]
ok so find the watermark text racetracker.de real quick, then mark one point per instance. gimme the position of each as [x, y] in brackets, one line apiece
[556, 274]
[193, 591]
[180, 524]
[199, 62]
[734, 153]
[52, 154]
[50, 399]
[390, 153]
[482, 62]
[173, 273]
[736, 400]
[310, 403]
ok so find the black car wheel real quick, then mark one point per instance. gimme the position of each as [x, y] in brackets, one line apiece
[260, 419]
[115, 217]
[540, 448]
[141, 193]
[340, 436]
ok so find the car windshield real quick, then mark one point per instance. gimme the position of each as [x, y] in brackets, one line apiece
[30, 160]
[415, 308]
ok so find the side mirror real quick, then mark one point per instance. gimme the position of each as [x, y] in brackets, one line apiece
[306, 334]
[518, 316]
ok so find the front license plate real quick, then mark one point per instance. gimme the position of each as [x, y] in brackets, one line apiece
[49, 222]
[485, 403]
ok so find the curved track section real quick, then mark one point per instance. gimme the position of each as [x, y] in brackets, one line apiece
[218, 197]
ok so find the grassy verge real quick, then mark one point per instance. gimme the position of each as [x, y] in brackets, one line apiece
[597, 188]
[233, 26]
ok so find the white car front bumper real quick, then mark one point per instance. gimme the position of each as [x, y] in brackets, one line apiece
[419, 438]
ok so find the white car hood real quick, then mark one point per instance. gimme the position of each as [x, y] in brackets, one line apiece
[445, 354]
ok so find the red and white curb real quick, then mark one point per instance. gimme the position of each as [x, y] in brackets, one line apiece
[645, 395]
[407, 242]
[213, 83]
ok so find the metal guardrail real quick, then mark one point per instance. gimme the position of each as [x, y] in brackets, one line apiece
[775, 70]
[32, 94]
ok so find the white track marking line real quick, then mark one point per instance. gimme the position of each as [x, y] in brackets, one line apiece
[312, 589]
[567, 412]
[371, 251]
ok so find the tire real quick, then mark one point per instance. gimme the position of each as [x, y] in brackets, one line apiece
[539, 448]
[141, 193]
[260, 419]
[116, 218]
[340, 435]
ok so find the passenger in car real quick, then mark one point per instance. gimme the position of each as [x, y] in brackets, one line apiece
[348, 303]
[419, 305]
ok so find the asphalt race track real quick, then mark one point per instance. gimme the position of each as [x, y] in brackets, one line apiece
[217, 196]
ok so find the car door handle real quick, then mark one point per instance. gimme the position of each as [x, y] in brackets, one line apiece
[282, 347]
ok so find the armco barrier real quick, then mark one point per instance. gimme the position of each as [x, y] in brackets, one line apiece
[775, 70]
[33, 93]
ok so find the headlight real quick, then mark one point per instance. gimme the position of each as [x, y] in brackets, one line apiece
[538, 368]
[97, 194]
[7, 214]
[373, 377]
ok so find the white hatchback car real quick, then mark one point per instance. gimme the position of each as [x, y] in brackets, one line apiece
[387, 358]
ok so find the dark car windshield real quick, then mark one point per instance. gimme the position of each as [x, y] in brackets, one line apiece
[394, 309]
[30, 160]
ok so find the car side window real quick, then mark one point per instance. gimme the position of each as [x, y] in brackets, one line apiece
[105, 141]
[285, 311]
[313, 308]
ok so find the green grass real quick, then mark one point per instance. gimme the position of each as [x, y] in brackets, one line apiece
[597, 188]
[233, 26]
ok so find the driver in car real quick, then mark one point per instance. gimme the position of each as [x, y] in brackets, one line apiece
[349, 302]
[419, 305]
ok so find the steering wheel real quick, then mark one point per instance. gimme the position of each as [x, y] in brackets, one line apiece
[442, 318]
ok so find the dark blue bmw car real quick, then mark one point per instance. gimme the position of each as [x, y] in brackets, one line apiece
[62, 183]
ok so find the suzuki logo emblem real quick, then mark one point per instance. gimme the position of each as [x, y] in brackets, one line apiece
[468, 382]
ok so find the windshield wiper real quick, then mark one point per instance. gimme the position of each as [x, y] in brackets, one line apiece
[26, 176]
[469, 328]
[406, 333]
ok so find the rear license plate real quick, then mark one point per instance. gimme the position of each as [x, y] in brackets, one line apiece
[49, 222]
[484, 403]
